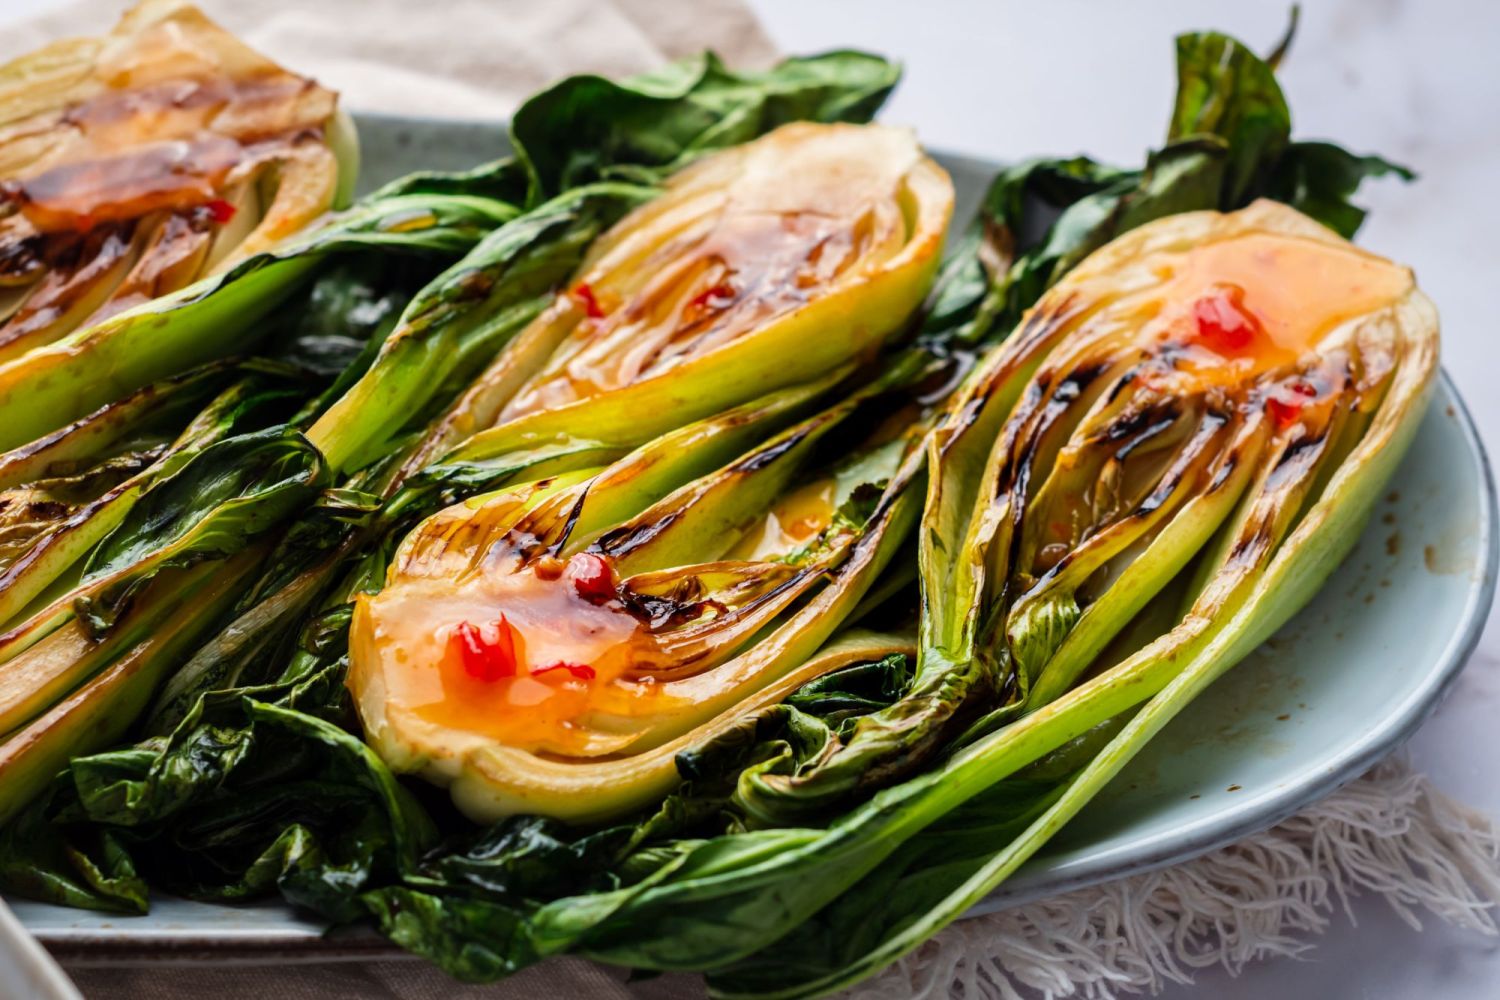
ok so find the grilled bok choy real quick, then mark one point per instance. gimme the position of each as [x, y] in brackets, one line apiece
[760, 267]
[118, 516]
[133, 164]
[549, 649]
[1197, 422]
[596, 533]
[727, 305]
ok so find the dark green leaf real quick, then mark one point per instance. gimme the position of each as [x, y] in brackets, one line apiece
[1225, 90]
[212, 507]
[588, 128]
[1319, 178]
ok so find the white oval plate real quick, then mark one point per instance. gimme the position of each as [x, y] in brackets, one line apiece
[1343, 684]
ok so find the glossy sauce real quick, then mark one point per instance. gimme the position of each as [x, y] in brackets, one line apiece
[791, 220]
[1239, 307]
[161, 120]
[797, 519]
[163, 175]
[519, 657]
[753, 269]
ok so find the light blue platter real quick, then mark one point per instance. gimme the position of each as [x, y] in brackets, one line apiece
[1343, 684]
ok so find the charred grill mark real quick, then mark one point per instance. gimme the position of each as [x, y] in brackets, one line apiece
[1224, 471]
[1035, 328]
[1060, 403]
[685, 608]
[945, 377]
[662, 611]
[1149, 432]
[1042, 321]
[1127, 424]
[1298, 451]
[1252, 545]
[1023, 432]
[21, 259]
[47, 510]
[1078, 380]
[1123, 382]
[574, 512]
[627, 538]
[763, 457]
[1298, 459]
[956, 424]
[1014, 476]
[1209, 427]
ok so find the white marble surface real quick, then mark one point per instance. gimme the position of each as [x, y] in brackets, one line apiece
[1419, 83]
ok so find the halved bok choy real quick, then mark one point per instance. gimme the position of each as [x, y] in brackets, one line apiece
[120, 556]
[697, 325]
[765, 265]
[550, 648]
[1195, 425]
[133, 164]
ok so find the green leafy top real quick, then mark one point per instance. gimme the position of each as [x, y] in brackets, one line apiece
[1228, 143]
[589, 128]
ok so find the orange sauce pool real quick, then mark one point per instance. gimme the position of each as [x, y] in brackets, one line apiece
[795, 520]
[1246, 305]
[519, 657]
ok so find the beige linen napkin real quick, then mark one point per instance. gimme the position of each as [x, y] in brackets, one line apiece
[449, 58]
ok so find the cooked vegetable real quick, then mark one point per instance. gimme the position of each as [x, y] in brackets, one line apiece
[615, 502]
[129, 494]
[583, 634]
[133, 164]
[1239, 388]
[767, 265]
[1228, 142]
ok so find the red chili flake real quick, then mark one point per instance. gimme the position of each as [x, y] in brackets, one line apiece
[483, 658]
[593, 578]
[579, 671]
[586, 298]
[220, 210]
[1284, 406]
[1224, 325]
[716, 297]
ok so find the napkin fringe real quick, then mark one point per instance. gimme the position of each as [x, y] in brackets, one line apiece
[1389, 832]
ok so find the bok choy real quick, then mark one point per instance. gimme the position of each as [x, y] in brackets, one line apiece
[133, 164]
[761, 593]
[159, 510]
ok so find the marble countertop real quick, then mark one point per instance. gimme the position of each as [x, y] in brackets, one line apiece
[1416, 83]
